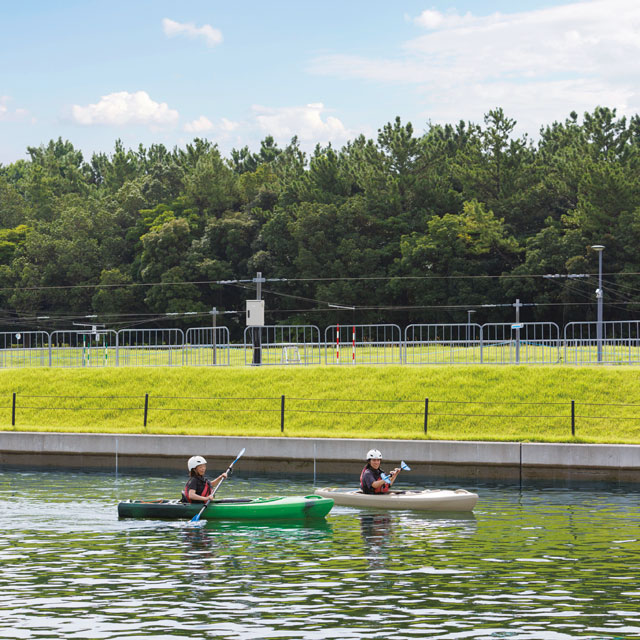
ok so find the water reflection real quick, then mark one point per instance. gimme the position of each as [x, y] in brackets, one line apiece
[376, 532]
[536, 564]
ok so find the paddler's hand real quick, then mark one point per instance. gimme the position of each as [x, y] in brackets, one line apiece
[223, 476]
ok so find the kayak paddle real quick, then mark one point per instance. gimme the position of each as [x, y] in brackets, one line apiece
[403, 465]
[196, 518]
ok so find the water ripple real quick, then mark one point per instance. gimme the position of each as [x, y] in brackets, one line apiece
[531, 564]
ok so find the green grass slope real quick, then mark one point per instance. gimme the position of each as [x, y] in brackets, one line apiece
[465, 402]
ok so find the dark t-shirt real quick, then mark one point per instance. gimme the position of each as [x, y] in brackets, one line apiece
[202, 486]
[368, 477]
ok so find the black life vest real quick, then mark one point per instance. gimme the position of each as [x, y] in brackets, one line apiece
[201, 486]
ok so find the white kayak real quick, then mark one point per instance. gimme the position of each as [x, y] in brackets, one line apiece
[427, 500]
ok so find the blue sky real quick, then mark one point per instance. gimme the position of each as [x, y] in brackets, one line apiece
[157, 71]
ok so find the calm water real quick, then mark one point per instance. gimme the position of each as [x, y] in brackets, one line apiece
[537, 563]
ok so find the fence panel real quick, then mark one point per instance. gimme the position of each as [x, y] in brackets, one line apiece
[526, 343]
[84, 348]
[150, 347]
[282, 344]
[363, 344]
[620, 342]
[442, 343]
[205, 346]
[24, 349]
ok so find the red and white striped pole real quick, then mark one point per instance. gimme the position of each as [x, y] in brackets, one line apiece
[353, 345]
[338, 344]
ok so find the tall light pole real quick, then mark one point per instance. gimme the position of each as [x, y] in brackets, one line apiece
[599, 296]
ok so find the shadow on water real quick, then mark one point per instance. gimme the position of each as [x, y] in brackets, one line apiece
[274, 527]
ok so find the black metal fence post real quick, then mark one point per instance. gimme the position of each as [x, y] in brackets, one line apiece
[573, 417]
[146, 408]
[426, 413]
[13, 410]
[282, 414]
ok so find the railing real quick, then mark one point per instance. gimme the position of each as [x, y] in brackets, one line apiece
[208, 346]
[363, 344]
[470, 343]
[282, 344]
[429, 417]
[620, 342]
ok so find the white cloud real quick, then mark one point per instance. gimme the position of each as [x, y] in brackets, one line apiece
[11, 115]
[204, 125]
[305, 122]
[199, 125]
[211, 35]
[228, 125]
[432, 19]
[551, 61]
[123, 108]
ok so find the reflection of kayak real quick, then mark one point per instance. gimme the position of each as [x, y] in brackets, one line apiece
[305, 526]
[294, 507]
[427, 500]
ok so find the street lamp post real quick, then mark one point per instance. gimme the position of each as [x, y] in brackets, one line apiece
[599, 296]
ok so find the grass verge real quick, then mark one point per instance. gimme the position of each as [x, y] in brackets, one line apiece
[465, 402]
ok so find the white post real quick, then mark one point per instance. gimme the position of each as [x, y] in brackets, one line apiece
[599, 296]
[353, 347]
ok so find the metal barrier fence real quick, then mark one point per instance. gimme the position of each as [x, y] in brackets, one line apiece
[24, 349]
[493, 343]
[443, 344]
[282, 344]
[470, 343]
[620, 342]
[528, 343]
[363, 344]
[207, 346]
[83, 348]
[150, 347]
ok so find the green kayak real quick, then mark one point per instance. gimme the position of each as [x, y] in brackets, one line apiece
[289, 508]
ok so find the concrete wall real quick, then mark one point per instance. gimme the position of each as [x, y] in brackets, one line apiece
[502, 461]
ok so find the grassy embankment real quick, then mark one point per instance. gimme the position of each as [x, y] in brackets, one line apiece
[180, 401]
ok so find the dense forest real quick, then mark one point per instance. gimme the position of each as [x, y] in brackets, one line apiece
[409, 227]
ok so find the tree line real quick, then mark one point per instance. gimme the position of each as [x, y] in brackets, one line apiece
[407, 227]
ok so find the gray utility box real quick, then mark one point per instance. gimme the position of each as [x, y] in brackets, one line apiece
[255, 313]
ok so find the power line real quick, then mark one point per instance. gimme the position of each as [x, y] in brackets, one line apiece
[332, 279]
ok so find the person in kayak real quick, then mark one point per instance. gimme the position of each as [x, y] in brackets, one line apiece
[199, 488]
[371, 480]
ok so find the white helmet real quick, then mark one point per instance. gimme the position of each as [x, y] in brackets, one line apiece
[195, 461]
[374, 453]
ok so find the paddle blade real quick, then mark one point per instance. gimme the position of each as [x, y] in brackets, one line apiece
[404, 466]
[385, 477]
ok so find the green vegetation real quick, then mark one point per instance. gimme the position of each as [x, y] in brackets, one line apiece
[351, 402]
[423, 213]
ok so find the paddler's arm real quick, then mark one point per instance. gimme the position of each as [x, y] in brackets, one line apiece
[198, 498]
[393, 475]
[218, 480]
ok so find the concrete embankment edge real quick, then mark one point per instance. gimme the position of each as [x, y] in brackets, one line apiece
[482, 461]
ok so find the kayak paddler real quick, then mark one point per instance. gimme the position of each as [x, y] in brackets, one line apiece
[371, 480]
[199, 488]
